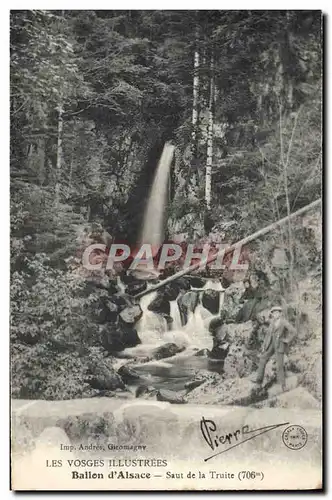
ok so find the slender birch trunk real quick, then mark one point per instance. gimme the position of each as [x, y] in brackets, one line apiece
[195, 109]
[209, 152]
[59, 155]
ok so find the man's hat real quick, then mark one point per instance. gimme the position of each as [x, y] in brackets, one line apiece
[276, 308]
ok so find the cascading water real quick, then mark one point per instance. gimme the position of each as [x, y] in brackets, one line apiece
[152, 328]
[153, 225]
[175, 315]
[173, 372]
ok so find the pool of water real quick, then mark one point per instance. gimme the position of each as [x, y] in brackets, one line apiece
[173, 373]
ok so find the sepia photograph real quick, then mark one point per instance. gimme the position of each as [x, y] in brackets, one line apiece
[166, 299]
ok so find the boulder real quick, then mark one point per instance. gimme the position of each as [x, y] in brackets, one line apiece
[102, 376]
[202, 352]
[160, 304]
[238, 362]
[235, 391]
[187, 302]
[170, 396]
[237, 332]
[146, 392]
[219, 350]
[232, 300]
[184, 283]
[196, 281]
[216, 325]
[117, 337]
[211, 300]
[131, 314]
[172, 291]
[167, 350]
[128, 374]
[192, 384]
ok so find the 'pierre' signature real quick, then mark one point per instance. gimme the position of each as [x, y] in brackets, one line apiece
[234, 438]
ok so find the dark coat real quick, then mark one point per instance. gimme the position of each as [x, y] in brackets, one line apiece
[279, 334]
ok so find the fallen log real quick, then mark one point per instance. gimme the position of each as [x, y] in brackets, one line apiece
[232, 247]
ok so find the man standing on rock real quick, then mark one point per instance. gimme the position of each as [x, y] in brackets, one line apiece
[279, 334]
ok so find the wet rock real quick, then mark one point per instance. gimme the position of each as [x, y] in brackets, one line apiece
[128, 374]
[160, 304]
[196, 281]
[187, 303]
[184, 283]
[189, 386]
[219, 350]
[211, 300]
[171, 291]
[167, 350]
[170, 396]
[131, 314]
[136, 287]
[117, 337]
[146, 392]
[202, 352]
[103, 376]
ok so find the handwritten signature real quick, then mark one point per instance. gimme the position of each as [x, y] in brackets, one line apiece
[235, 438]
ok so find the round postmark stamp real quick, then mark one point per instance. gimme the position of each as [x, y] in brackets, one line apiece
[295, 437]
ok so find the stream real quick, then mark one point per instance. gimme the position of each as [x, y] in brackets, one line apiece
[173, 372]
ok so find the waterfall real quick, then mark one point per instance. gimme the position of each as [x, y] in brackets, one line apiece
[153, 225]
[151, 326]
[120, 285]
[175, 315]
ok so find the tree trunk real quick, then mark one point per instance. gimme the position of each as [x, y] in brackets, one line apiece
[209, 152]
[195, 109]
[231, 248]
[59, 155]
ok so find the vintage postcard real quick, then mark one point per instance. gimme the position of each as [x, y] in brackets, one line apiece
[166, 250]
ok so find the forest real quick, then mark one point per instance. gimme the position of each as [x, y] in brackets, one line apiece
[94, 97]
